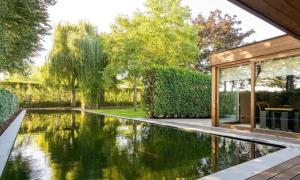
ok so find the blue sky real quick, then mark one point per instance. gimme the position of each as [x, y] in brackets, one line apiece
[103, 12]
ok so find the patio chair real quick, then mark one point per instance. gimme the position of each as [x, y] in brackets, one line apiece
[262, 113]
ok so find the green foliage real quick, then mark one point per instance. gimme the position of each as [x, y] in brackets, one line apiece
[174, 92]
[38, 95]
[124, 112]
[161, 35]
[120, 97]
[217, 32]
[228, 103]
[22, 26]
[33, 94]
[77, 60]
[9, 104]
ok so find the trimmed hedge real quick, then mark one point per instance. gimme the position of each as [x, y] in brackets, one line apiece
[37, 95]
[177, 93]
[9, 104]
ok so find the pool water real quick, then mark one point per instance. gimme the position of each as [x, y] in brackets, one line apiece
[74, 145]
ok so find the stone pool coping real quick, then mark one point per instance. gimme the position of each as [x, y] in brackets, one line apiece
[7, 139]
[241, 171]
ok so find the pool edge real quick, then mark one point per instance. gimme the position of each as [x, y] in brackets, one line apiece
[7, 139]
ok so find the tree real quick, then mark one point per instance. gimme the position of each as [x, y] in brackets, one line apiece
[217, 33]
[161, 35]
[22, 26]
[77, 61]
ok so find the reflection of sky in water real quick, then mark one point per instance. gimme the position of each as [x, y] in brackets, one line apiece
[36, 158]
[107, 148]
[123, 140]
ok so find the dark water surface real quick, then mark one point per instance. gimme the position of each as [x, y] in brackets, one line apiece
[73, 145]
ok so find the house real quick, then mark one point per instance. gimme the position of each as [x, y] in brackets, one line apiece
[256, 87]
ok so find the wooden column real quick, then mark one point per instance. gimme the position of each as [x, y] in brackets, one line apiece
[214, 96]
[252, 109]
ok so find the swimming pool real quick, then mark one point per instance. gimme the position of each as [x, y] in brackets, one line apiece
[74, 145]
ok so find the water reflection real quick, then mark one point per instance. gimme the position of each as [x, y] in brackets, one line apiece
[65, 145]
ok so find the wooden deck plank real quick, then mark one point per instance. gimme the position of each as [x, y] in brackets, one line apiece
[281, 168]
[296, 177]
[288, 174]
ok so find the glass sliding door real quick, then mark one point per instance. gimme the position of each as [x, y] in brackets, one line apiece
[277, 94]
[234, 95]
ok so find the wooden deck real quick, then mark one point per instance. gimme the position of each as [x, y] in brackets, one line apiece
[284, 171]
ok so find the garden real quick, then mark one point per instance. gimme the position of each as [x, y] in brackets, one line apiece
[151, 64]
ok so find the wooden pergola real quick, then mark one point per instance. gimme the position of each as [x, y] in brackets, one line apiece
[284, 14]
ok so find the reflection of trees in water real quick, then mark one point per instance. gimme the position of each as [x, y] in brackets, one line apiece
[91, 146]
[17, 169]
[233, 151]
[40, 121]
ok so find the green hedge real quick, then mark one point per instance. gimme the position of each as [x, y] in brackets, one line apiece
[177, 93]
[9, 104]
[37, 95]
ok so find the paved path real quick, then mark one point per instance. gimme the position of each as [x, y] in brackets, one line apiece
[7, 139]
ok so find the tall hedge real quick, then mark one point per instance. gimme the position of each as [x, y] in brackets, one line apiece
[9, 104]
[177, 93]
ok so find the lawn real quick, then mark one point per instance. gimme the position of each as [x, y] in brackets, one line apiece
[125, 112]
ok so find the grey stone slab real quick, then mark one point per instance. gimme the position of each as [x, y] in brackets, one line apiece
[7, 139]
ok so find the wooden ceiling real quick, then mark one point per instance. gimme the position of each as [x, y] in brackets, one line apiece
[284, 14]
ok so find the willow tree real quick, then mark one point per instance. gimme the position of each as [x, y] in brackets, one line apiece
[77, 61]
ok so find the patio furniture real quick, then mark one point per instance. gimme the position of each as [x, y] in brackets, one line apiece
[263, 119]
[283, 117]
[262, 113]
[296, 122]
[284, 121]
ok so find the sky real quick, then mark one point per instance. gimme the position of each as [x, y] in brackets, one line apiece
[102, 14]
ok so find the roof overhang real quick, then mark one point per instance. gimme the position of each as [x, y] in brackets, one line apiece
[283, 14]
[274, 48]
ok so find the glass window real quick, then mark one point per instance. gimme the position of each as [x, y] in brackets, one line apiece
[277, 94]
[234, 94]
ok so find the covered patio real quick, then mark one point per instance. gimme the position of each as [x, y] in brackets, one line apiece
[256, 87]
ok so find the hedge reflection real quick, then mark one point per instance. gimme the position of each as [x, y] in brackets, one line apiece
[86, 146]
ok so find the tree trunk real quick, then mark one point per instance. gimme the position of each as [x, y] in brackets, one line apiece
[73, 93]
[73, 97]
[135, 93]
[101, 98]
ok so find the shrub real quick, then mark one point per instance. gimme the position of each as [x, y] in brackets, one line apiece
[228, 103]
[37, 95]
[174, 92]
[120, 97]
[9, 104]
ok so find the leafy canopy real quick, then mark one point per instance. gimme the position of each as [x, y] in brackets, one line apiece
[77, 59]
[218, 32]
[22, 26]
[161, 35]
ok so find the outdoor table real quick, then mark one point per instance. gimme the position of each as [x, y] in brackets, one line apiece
[283, 118]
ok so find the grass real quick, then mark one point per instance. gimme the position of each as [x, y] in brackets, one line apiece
[125, 112]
